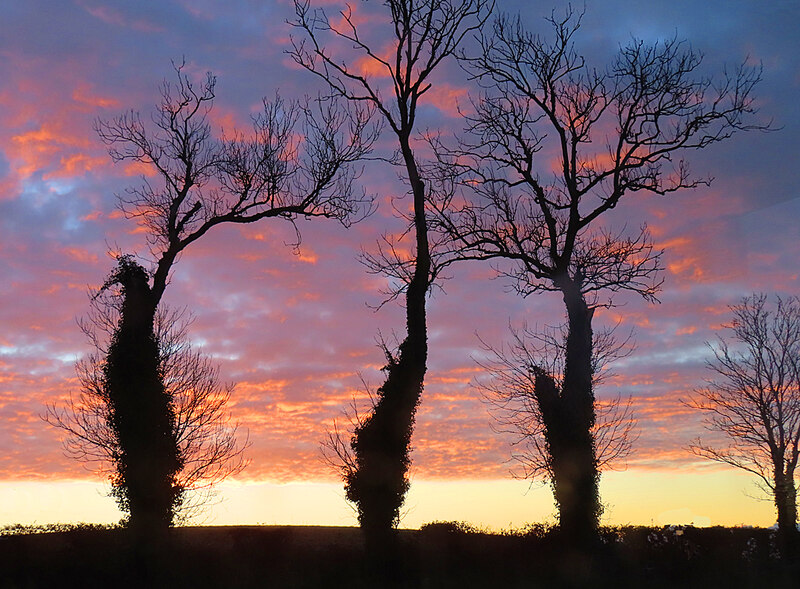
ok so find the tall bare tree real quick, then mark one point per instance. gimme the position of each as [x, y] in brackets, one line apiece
[299, 160]
[421, 34]
[552, 145]
[755, 402]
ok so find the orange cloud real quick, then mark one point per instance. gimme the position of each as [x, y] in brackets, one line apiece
[93, 216]
[77, 164]
[38, 149]
[447, 98]
[371, 68]
[82, 94]
[80, 255]
[138, 169]
[307, 256]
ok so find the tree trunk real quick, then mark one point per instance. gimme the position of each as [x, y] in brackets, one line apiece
[142, 414]
[381, 444]
[575, 475]
[786, 504]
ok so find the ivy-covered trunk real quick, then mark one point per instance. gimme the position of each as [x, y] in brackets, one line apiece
[381, 444]
[141, 411]
[786, 504]
[568, 415]
[578, 495]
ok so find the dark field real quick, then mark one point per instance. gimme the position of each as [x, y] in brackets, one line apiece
[439, 555]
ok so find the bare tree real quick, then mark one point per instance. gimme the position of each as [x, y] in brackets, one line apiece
[755, 401]
[422, 34]
[610, 133]
[207, 439]
[299, 160]
[511, 391]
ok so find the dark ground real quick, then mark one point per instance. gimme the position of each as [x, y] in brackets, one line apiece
[441, 555]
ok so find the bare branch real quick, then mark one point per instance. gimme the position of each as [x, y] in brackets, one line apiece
[297, 160]
[553, 144]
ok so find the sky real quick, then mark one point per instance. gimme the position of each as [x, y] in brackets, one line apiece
[297, 331]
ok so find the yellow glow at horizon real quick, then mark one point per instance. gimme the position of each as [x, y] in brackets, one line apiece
[638, 497]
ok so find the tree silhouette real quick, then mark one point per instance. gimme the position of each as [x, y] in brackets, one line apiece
[144, 374]
[299, 160]
[552, 145]
[524, 378]
[423, 34]
[755, 403]
[141, 414]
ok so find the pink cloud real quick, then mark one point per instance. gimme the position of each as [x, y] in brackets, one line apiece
[112, 16]
[448, 98]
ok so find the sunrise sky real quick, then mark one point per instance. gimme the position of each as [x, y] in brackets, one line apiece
[295, 331]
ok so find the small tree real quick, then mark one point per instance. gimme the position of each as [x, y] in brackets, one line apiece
[553, 145]
[298, 161]
[421, 35]
[755, 401]
[111, 422]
